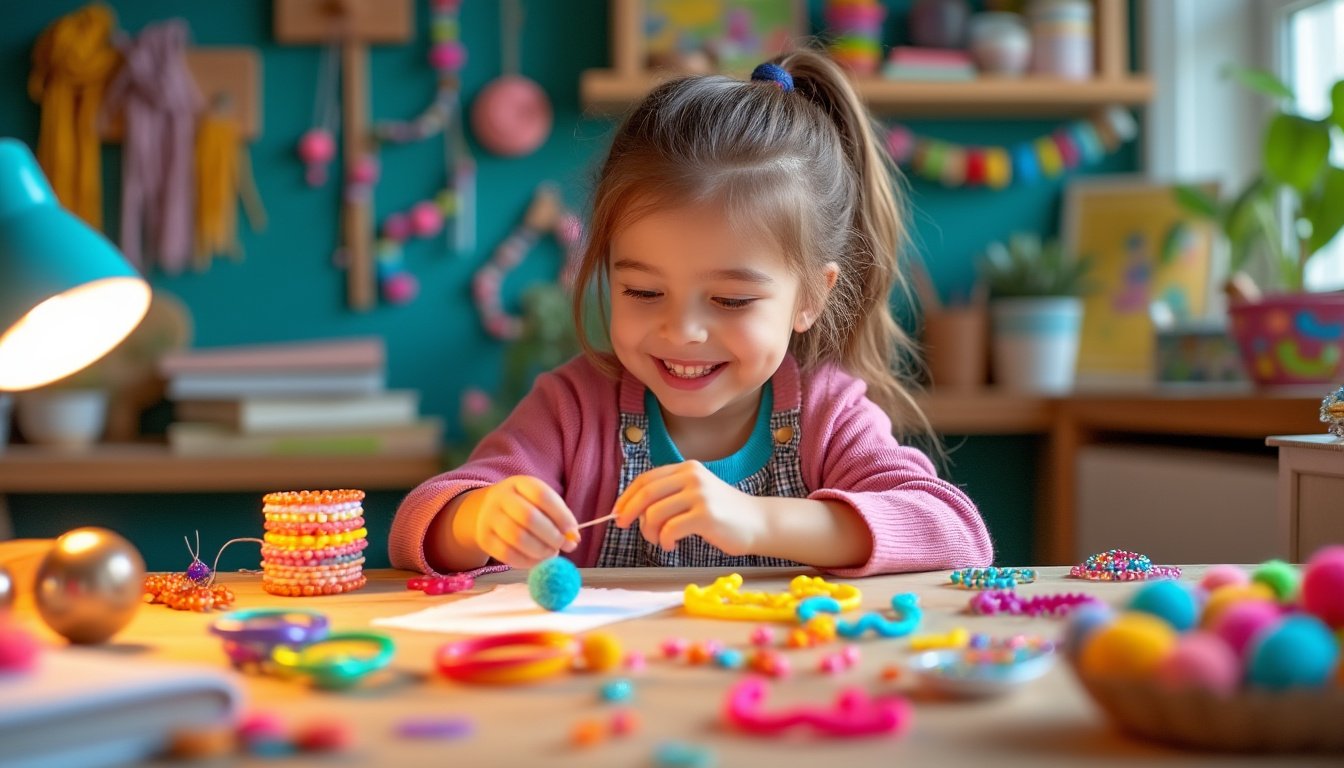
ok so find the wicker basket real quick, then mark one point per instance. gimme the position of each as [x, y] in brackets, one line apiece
[1258, 721]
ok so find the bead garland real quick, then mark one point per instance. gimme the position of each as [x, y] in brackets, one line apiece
[1122, 565]
[992, 578]
[1078, 143]
[545, 215]
[994, 601]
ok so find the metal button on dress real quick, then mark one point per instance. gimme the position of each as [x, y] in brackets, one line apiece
[783, 434]
[634, 434]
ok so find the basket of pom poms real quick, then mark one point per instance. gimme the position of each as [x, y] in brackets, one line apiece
[1245, 661]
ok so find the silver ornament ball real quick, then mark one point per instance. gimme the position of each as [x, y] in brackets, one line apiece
[89, 585]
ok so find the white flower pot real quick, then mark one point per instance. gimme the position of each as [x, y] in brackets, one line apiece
[69, 419]
[1036, 342]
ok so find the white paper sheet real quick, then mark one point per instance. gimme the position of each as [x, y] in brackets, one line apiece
[510, 608]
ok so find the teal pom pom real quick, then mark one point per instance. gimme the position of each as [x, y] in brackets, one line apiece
[554, 583]
[1170, 601]
[1298, 653]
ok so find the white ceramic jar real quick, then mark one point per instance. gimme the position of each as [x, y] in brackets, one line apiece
[1062, 38]
[1000, 43]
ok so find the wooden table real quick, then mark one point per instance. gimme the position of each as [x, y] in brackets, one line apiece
[1051, 722]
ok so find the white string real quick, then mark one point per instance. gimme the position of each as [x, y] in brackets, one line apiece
[215, 570]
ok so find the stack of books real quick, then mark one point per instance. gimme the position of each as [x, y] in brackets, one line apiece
[293, 398]
[938, 64]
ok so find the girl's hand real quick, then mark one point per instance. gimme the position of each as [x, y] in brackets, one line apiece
[678, 500]
[522, 521]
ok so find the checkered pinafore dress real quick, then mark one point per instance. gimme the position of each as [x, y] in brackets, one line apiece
[781, 476]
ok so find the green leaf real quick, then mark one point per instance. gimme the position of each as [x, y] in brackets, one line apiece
[1197, 200]
[1337, 104]
[1325, 210]
[1171, 244]
[1239, 218]
[1262, 81]
[1296, 150]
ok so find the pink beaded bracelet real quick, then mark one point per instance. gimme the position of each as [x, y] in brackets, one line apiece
[994, 601]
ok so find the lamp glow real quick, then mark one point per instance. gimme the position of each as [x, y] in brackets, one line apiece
[67, 297]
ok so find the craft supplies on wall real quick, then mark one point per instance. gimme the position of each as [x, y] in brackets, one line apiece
[511, 116]
[352, 25]
[545, 215]
[1075, 144]
[223, 178]
[447, 56]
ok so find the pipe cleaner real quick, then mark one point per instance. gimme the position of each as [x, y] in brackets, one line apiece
[724, 599]
[994, 601]
[906, 606]
[854, 713]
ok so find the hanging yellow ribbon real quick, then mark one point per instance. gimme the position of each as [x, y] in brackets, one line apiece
[223, 176]
[73, 59]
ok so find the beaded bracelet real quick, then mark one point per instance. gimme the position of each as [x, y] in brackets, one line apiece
[305, 498]
[724, 600]
[1122, 565]
[994, 601]
[992, 578]
[533, 656]
[306, 542]
[314, 512]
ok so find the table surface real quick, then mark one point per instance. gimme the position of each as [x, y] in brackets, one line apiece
[1048, 722]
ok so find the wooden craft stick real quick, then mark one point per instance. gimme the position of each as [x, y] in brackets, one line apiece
[573, 535]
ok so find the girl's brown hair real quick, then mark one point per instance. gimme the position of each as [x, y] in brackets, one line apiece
[804, 168]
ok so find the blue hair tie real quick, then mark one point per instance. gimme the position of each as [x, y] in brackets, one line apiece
[773, 73]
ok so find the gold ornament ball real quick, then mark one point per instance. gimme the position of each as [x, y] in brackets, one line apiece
[89, 585]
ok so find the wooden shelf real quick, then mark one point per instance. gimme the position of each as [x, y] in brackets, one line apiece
[134, 468]
[607, 92]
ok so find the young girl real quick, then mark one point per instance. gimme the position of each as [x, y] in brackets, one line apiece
[743, 247]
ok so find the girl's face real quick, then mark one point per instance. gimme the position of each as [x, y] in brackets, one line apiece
[700, 313]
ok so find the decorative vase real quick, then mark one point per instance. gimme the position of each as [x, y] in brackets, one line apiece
[68, 419]
[1291, 338]
[1036, 342]
[939, 23]
[1000, 43]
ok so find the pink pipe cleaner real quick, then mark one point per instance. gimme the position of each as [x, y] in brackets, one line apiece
[994, 601]
[854, 713]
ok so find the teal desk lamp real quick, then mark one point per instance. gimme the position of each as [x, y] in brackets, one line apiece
[67, 296]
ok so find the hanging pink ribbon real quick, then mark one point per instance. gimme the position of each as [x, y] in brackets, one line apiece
[156, 93]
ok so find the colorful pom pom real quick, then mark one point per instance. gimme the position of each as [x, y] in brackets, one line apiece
[554, 583]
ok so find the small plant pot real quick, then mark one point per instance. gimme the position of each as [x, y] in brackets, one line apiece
[1291, 338]
[956, 347]
[68, 419]
[1036, 342]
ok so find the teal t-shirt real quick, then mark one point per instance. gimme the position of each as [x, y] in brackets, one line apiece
[747, 461]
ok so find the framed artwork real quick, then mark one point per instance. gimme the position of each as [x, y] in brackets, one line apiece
[736, 34]
[1145, 250]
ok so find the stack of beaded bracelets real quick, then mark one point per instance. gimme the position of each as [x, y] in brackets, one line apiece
[992, 578]
[315, 543]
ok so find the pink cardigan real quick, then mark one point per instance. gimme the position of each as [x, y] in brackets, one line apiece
[566, 431]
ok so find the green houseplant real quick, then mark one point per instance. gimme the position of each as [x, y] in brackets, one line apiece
[1036, 311]
[1273, 227]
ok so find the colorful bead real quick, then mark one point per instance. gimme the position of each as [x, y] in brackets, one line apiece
[1122, 565]
[617, 690]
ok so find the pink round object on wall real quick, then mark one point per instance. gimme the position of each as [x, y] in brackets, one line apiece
[511, 116]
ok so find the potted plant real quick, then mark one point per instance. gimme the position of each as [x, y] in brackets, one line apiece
[1273, 227]
[1036, 312]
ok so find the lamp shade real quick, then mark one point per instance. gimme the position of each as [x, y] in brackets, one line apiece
[67, 296]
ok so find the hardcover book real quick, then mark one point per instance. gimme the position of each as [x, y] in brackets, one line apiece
[268, 414]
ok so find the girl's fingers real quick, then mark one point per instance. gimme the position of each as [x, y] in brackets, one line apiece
[545, 500]
[678, 528]
[653, 491]
[509, 555]
[658, 514]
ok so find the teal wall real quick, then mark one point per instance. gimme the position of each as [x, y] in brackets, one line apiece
[286, 287]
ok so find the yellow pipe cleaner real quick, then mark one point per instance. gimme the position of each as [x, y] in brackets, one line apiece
[73, 59]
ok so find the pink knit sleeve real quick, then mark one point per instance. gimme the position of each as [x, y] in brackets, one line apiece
[533, 441]
[918, 522]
